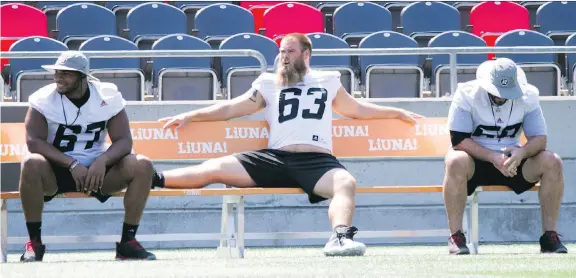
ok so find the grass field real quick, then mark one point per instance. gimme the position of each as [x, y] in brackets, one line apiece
[396, 261]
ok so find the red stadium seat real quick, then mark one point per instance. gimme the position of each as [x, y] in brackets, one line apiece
[509, 16]
[291, 17]
[19, 21]
[258, 13]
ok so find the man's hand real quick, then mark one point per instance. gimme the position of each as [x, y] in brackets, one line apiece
[498, 160]
[515, 156]
[79, 174]
[408, 116]
[175, 121]
[95, 176]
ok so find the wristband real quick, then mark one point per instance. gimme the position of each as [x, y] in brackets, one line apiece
[73, 165]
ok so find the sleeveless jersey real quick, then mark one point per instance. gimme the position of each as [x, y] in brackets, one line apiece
[301, 114]
[82, 138]
[492, 127]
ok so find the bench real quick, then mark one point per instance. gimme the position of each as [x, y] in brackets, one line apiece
[232, 236]
[352, 138]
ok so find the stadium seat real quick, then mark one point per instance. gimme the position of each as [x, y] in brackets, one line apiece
[183, 78]
[18, 21]
[510, 15]
[190, 8]
[73, 28]
[391, 75]
[151, 21]
[238, 73]
[464, 8]
[27, 75]
[541, 69]
[120, 10]
[466, 64]
[339, 63]
[280, 20]
[571, 62]
[52, 8]
[532, 7]
[124, 72]
[355, 20]
[556, 20]
[219, 21]
[424, 20]
[258, 14]
[395, 9]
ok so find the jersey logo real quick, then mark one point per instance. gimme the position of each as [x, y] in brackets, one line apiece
[66, 143]
[295, 104]
[500, 121]
[314, 137]
[103, 104]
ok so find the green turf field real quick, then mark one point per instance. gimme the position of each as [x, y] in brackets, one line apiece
[397, 261]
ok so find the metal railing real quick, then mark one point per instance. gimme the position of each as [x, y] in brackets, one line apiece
[451, 51]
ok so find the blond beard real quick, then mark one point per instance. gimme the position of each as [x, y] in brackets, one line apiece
[290, 76]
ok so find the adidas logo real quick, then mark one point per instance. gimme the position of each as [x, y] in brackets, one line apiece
[103, 103]
[500, 121]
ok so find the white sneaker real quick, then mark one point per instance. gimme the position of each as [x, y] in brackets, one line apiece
[341, 243]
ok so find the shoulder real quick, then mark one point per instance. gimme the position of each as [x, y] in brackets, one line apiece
[265, 80]
[465, 94]
[42, 100]
[112, 100]
[328, 75]
[531, 97]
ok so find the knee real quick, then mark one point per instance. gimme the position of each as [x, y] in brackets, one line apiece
[551, 162]
[143, 166]
[33, 162]
[32, 169]
[346, 184]
[458, 164]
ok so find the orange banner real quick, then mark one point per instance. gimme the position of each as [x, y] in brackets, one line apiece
[351, 138]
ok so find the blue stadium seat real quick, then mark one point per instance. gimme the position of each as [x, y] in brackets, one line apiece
[355, 20]
[51, 9]
[339, 63]
[466, 64]
[184, 78]
[190, 8]
[541, 69]
[240, 72]
[219, 21]
[571, 62]
[73, 28]
[556, 20]
[424, 20]
[151, 21]
[27, 75]
[391, 75]
[124, 72]
[120, 10]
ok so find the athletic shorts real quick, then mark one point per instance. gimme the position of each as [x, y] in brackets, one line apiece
[486, 174]
[66, 184]
[276, 168]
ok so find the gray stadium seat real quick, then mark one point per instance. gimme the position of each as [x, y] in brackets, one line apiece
[73, 28]
[571, 62]
[556, 20]
[339, 63]
[219, 21]
[27, 75]
[240, 72]
[184, 78]
[355, 20]
[466, 64]
[151, 21]
[391, 75]
[424, 20]
[120, 10]
[124, 72]
[541, 69]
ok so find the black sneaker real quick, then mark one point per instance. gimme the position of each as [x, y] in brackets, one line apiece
[550, 243]
[457, 244]
[157, 179]
[34, 252]
[132, 250]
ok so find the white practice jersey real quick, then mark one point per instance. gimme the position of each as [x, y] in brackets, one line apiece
[85, 139]
[301, 114]
[495, 127]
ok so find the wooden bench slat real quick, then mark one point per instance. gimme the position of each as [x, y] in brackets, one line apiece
[262, 191]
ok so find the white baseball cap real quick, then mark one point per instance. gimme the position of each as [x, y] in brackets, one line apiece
[502, 78]
[73, 61]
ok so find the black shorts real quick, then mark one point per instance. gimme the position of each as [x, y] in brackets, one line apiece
[486, 174]
[66, 183]
[276, 168]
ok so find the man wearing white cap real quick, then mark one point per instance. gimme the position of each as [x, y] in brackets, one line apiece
[486, 120]
[66, 129]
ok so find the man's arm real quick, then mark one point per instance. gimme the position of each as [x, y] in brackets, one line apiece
[36, 136]
[460, 124]
[119, 132]
[246, 104]
[347, 106]
[535, 130]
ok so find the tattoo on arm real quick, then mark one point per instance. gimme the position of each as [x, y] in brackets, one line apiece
[254, 96]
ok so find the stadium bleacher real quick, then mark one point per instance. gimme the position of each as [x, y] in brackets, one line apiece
[115, 24]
